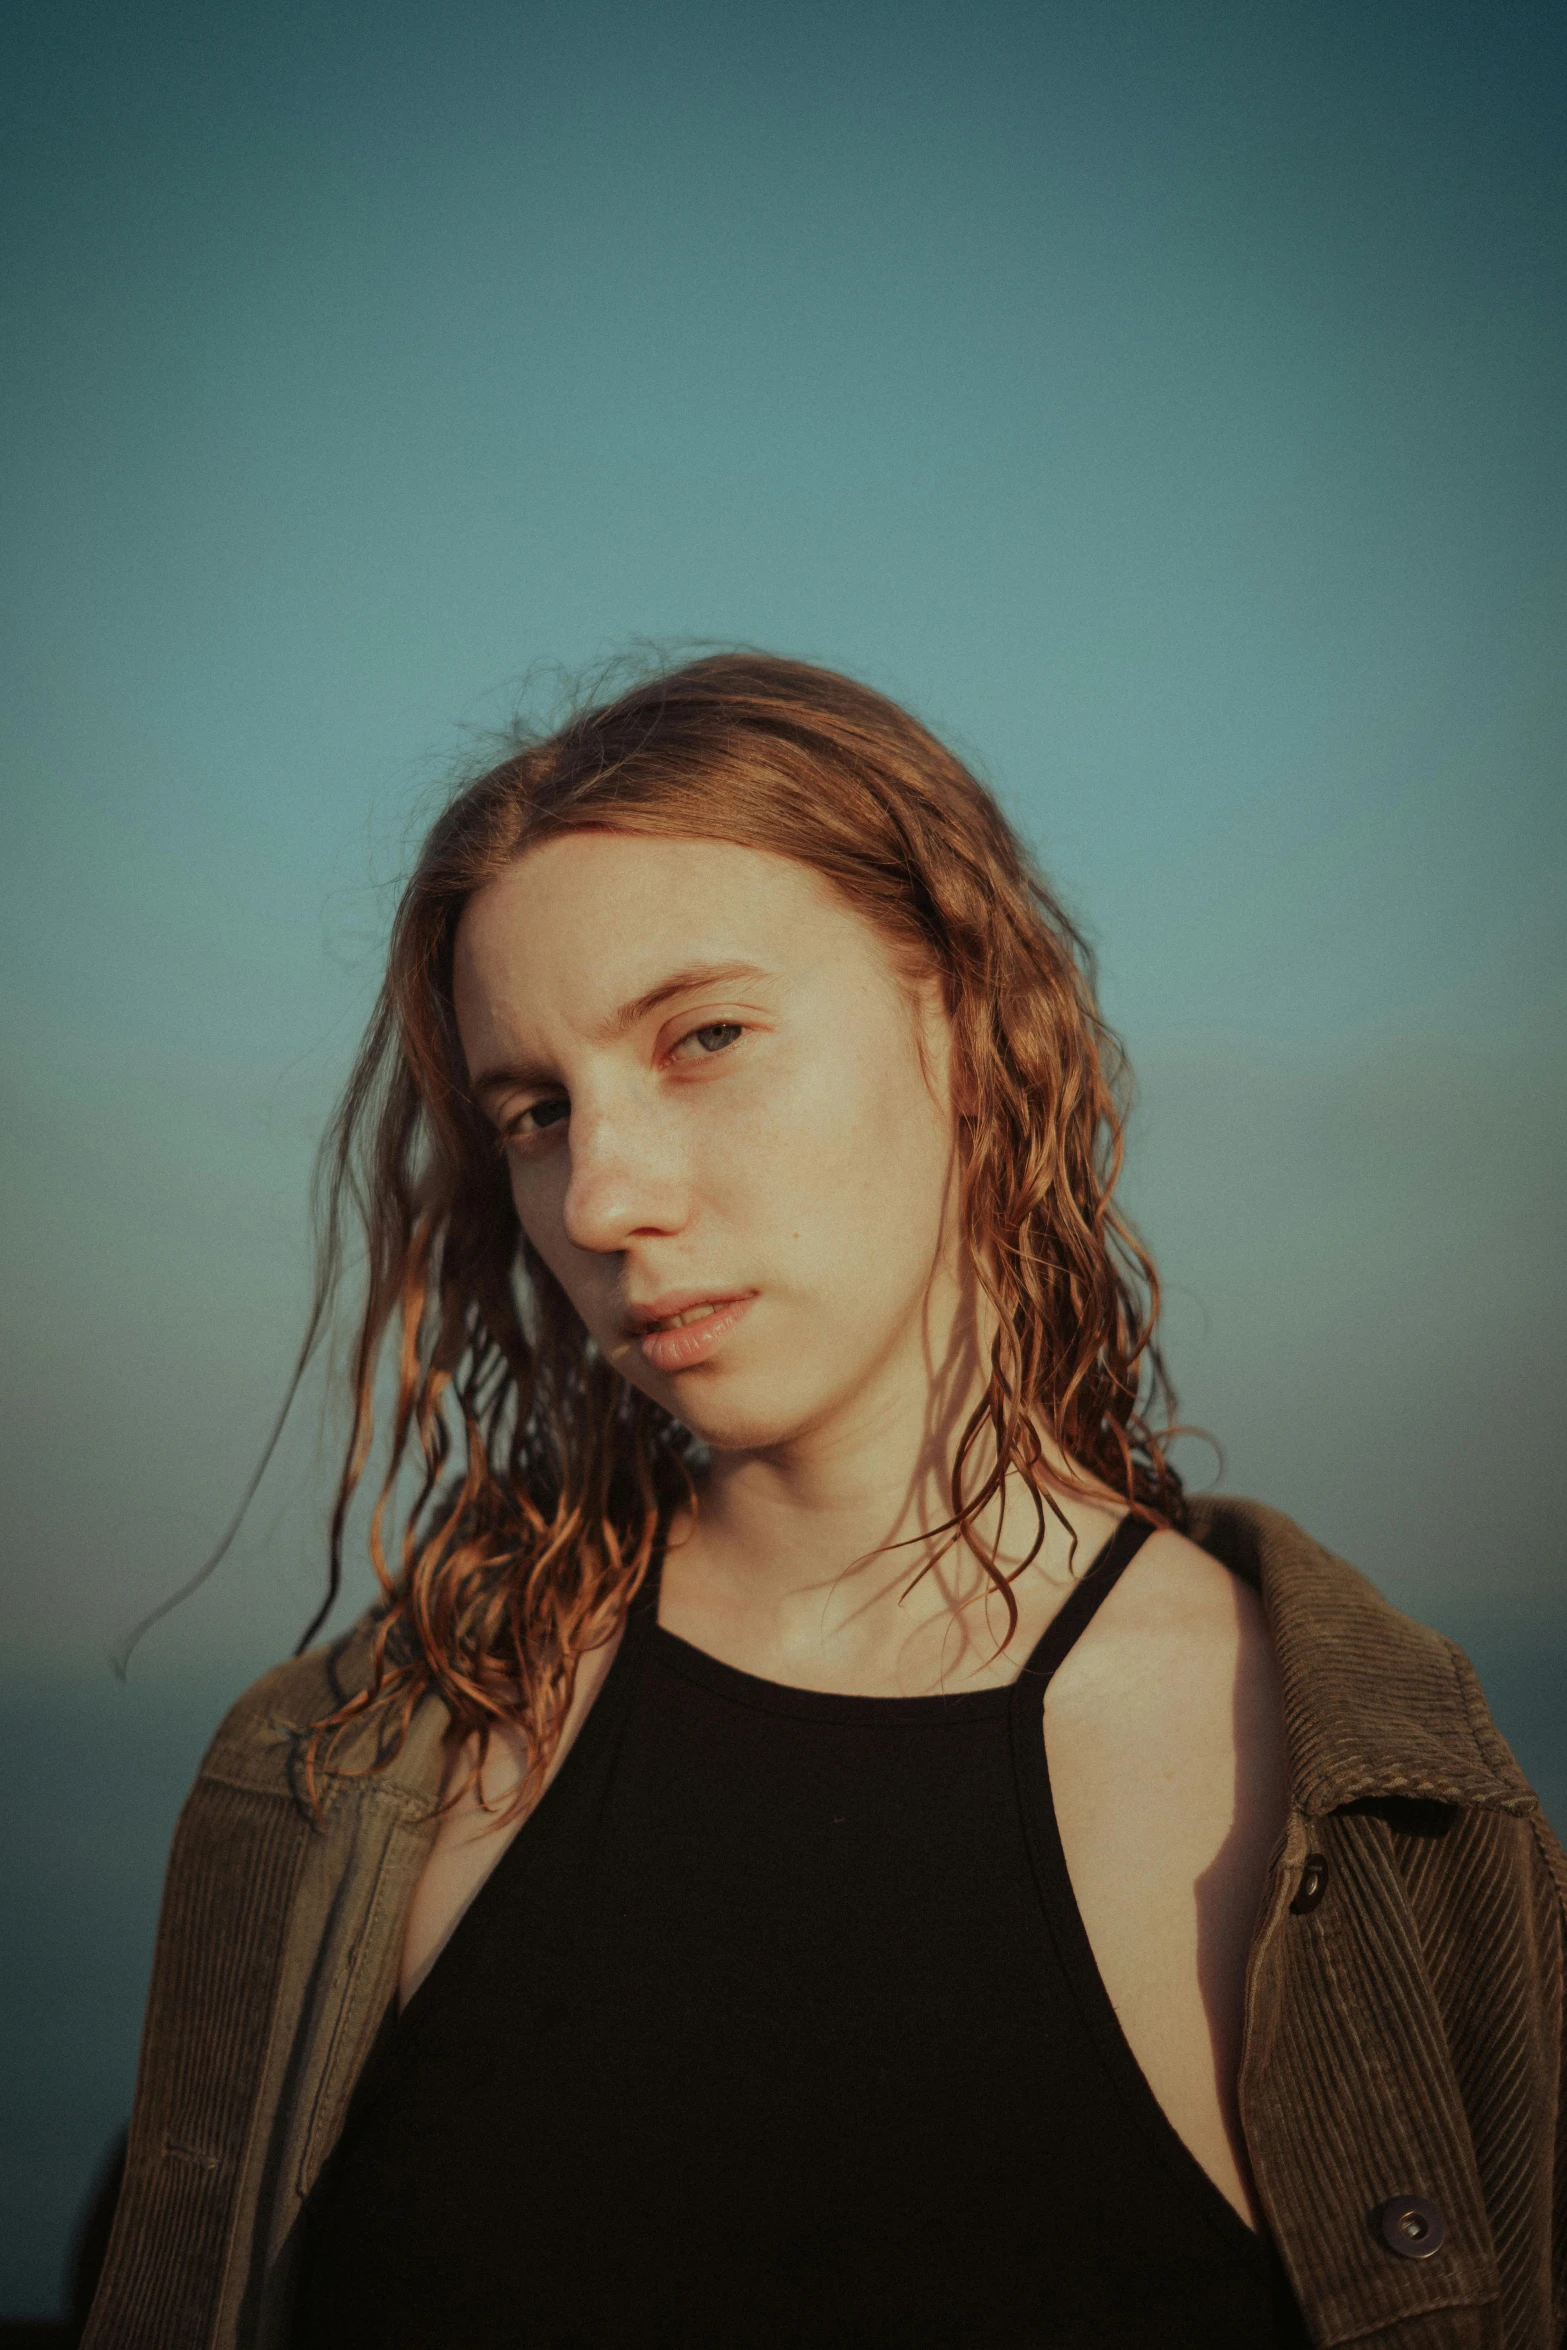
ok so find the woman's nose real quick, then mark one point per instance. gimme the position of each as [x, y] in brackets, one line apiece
[621, 1183]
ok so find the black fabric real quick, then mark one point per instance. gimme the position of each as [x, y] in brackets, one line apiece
[777, 2024]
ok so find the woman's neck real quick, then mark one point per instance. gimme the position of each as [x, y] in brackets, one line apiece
[833, 1555]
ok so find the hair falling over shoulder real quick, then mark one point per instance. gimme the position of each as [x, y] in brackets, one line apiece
[539, 1478]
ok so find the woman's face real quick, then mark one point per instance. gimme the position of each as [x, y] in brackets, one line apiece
[706, 1074]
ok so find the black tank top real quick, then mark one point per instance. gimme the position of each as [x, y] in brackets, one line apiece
[776, 2024]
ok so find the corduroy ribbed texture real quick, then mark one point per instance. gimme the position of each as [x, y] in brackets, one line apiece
[233, 1869]
[1359, 2101]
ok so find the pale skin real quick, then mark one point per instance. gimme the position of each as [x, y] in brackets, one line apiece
[714, 1083]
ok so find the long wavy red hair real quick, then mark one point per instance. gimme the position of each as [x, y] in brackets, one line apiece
[541, 1476]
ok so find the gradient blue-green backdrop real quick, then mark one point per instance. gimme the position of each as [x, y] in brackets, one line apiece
[1166, 400]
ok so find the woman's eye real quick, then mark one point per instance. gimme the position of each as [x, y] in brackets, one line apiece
[714, 1037]
[535, 1120]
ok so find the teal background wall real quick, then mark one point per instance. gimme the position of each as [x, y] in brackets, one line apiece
[1167, 402]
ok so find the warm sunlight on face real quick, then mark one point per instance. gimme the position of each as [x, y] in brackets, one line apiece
[706, 1075]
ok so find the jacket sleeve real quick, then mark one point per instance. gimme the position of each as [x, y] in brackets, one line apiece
[262, 1932]
[1556, 1869]
[235, 1860]
[240, 1845]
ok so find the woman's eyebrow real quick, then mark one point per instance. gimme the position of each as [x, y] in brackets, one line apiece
[695, 975]
[509, 1079]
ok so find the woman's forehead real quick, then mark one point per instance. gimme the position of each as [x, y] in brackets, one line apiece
[582, 891]
[589, 922]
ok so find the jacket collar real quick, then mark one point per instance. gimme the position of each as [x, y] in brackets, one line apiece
[1375, 1705]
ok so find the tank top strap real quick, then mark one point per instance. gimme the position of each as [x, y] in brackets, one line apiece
[1078, 1610]
[1065, 1628]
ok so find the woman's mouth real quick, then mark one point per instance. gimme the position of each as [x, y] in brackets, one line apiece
[688, 1331]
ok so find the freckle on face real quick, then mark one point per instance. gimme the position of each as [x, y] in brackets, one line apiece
[809, 1163]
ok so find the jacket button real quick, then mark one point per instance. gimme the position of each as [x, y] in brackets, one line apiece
[1412, 2227]
[1312, 1886]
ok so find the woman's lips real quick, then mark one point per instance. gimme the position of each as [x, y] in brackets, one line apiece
[690, 1337]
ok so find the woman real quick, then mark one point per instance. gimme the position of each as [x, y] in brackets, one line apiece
[821, 1838]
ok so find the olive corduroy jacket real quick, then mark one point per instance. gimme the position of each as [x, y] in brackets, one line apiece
[1401, 2087]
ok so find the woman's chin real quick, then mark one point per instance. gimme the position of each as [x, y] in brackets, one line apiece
[737, 1413]
[739, 1431]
